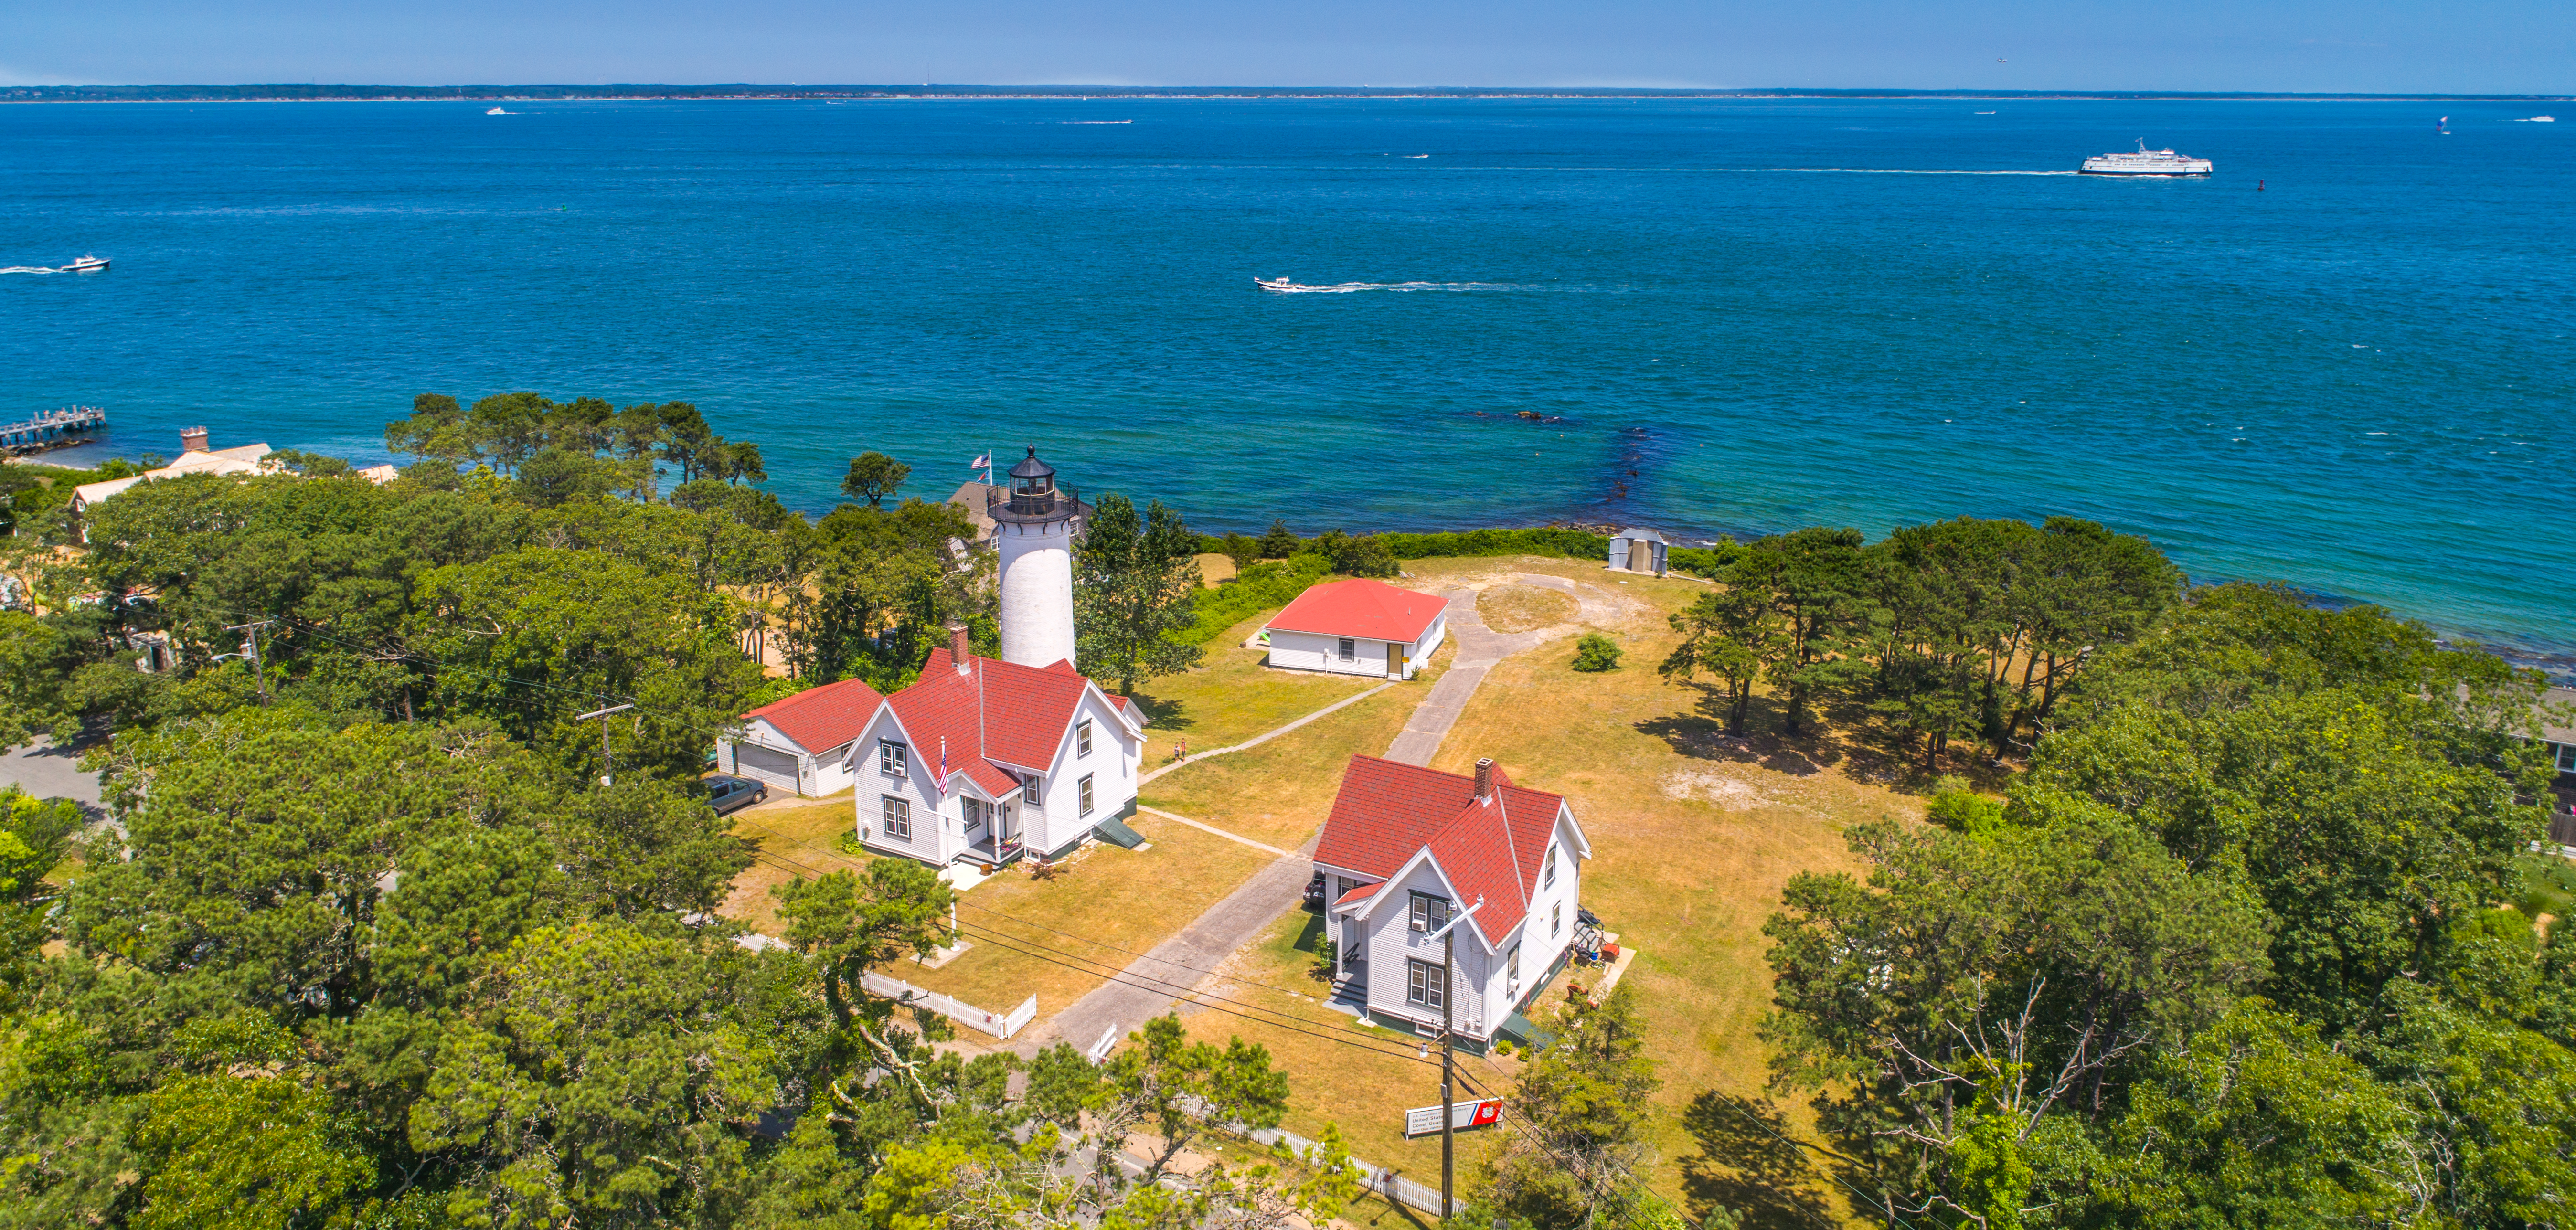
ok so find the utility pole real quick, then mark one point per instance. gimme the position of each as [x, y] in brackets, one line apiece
[250, 650]
[607, 763]
[1449, 1057]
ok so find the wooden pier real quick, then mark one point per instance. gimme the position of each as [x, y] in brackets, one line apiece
[52, 429]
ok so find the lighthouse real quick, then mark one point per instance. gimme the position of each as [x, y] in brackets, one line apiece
[1034, 525]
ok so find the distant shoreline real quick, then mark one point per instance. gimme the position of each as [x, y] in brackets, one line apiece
[750, 92]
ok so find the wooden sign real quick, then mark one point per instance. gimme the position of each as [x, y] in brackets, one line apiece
[1425, 1120]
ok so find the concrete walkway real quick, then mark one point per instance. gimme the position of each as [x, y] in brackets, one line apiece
[1205, 827]
[1150, 984]
[1479, 649]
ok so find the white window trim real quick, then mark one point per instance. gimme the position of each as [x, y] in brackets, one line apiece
[893, 759]
[1082, 737]
[1419, 909]
[1085, 796]
[1549, 880]
[1426, 983]
[1556, 920]
[895, 810]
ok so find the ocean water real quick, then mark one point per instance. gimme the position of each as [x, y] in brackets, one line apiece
[2344, 362]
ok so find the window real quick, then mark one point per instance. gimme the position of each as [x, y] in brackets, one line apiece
[898, 817]
[1032, 791]
[1348, 649]
[891, 758]
[1549, 879]
[1512, 966]
[1086, 795]
[1082, 737]
[974, 813]
[1428, 985]
[2567, 757]
[1429, 913]
[1556, 920]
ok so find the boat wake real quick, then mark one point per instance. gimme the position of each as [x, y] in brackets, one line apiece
[1095, 121]
[1286, 287]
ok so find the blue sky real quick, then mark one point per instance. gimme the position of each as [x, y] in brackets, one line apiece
[2524, 46]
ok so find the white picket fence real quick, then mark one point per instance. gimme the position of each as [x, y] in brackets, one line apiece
[998, 1024]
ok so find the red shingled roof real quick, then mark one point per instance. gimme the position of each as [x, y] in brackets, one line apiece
[820, 719]
[1361, 607]
[1387, 812]
[995, 711]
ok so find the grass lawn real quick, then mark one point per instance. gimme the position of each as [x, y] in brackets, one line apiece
[1280, 791]
[1122, 902]
[1367, 1093]
[792, 839]
[1231, 696]
[1694, 835]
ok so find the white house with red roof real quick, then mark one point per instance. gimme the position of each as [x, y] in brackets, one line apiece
[803, 744]
[983, 760]
[1405, 849]
[1358, 627]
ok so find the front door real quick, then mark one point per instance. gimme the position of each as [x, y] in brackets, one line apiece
[1395, 658]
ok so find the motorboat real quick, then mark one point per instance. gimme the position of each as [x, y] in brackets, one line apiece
[1282, 285]
[496, 111]
[2146, 162]
[86, 264]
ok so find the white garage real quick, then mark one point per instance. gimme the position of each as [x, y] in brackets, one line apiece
[801, 745]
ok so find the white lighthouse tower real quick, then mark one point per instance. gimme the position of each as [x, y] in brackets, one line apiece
[1034, 525]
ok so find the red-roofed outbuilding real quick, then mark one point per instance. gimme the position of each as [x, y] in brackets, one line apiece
[802, 744]
[1358, 627]
[1407, 848]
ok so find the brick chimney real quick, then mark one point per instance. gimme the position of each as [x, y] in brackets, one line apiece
[959, 651]
[192, 439]
[1485, 780]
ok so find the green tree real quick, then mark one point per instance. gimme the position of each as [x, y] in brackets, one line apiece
[1732, 634]
[1162, 1092]
[1133, 585]
[848, 924]
[435, 432]
[1972, 1010]
[1277, 542]
[34, 836]
[1584, 1102]
[1243, 549]
[873, 476]
[2255, 1121]
[1819, 584]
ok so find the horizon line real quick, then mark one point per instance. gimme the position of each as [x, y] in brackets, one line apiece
[351, 92]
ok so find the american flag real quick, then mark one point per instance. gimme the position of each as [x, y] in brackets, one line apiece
[943, 765]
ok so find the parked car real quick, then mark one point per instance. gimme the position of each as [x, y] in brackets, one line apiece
[728, 794]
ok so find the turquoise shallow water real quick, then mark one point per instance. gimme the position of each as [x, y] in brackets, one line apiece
[1738, 316]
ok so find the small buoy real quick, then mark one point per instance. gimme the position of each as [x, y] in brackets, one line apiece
[2258, 185]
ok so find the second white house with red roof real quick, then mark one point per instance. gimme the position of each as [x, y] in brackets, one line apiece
[1358, 627]
[1406, 849]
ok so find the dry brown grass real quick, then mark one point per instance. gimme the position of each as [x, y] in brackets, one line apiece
[1215, 568]
[1119, 902]
[789, 840]
[1280, 791]
[1523, 608]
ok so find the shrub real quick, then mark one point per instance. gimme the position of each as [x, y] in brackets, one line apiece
[1961, 810]
[1543, 540]
[1357, 557]
[1704, 561]
[1596, 652]
[1256, 588]
[1243, 549]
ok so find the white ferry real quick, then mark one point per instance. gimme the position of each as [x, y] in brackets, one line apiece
[2163, 162]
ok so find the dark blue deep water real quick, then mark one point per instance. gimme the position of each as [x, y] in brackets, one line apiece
[1738, 316]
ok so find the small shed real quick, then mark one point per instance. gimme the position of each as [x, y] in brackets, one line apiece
[1639, 551]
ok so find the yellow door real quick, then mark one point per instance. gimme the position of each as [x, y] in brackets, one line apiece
[1395, 657]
